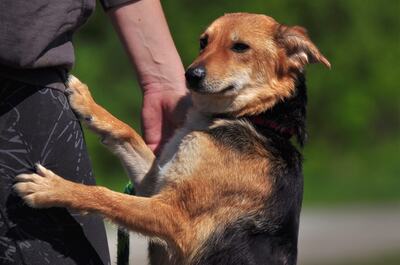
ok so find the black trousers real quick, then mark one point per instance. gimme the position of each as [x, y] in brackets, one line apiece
[37, 125]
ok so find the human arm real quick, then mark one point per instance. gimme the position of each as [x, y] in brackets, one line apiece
[143, 30]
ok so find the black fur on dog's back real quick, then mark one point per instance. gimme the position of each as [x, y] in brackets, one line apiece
[270, 236]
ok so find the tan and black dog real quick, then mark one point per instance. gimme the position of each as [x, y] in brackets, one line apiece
[227, 188]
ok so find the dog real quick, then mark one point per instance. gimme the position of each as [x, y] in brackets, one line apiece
[227, 188]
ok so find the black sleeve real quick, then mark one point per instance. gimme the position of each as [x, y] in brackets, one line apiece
[108, 4]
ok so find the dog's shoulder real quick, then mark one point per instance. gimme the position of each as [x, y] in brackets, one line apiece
[240, 135]
[237, 135]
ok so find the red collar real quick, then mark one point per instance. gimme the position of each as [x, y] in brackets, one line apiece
[261, 122]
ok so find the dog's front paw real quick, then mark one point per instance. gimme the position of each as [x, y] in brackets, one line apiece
[80, 99]
[42, 189]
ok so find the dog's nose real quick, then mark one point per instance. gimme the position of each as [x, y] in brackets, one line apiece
[194, 75]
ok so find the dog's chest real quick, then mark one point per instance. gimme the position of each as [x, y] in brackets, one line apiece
[181, 154]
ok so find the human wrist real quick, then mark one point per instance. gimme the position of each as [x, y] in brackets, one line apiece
[160, 86]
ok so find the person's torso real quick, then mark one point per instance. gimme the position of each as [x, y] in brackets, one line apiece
[38, 33]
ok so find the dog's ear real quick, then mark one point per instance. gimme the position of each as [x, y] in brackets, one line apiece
[299, 48]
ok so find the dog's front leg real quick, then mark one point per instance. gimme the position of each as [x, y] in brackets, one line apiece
[121, 139]
[155, 216]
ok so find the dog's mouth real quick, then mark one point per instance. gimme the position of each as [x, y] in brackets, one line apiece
[227, 89]
[204, 91]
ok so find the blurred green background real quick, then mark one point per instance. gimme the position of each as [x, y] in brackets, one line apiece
[354, 109]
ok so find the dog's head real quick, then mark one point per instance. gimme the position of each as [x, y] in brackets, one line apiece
[248, 63]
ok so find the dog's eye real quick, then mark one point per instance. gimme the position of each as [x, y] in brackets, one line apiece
[240, 47]
[203, 43]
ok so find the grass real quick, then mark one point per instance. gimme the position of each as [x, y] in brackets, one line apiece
[361, 175]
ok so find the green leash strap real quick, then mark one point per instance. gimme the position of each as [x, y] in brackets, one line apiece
[129, 189]
[123, 247]
[123, 235]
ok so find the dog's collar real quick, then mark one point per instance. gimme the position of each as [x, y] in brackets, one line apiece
[262, 123]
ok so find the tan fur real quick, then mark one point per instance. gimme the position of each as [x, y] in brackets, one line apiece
[197, 183]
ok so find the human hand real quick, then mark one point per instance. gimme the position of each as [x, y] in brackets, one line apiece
[163, 111]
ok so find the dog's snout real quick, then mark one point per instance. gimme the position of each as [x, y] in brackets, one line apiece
[194, 75]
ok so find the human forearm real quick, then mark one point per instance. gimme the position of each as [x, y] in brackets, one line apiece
[144, 32]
